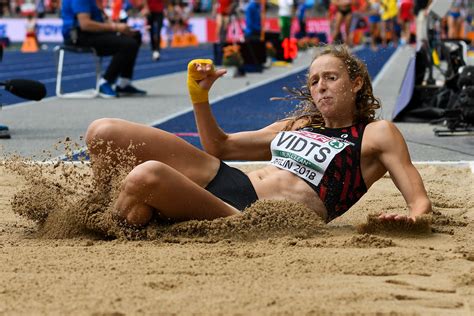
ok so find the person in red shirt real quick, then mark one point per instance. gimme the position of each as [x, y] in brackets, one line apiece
[405, 17]
[222, 12]
[154, 11]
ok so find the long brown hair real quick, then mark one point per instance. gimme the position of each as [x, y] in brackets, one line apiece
[366, 102]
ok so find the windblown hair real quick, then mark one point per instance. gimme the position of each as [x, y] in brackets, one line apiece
[366, 102]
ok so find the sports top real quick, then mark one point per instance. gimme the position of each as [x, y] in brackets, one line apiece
[156, 6]
[328, 159]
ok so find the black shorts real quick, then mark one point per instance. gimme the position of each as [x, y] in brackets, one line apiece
[233, 186]
[344, 10]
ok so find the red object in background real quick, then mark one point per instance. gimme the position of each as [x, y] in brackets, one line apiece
[290, 49]
[116, 7]
[27, 9]
[137, 3]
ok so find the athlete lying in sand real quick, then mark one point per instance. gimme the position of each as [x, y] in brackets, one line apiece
[326, 156]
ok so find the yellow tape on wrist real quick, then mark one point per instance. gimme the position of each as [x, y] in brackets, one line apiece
[197, 94]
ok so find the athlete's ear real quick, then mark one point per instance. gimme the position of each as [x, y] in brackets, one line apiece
[357, 84]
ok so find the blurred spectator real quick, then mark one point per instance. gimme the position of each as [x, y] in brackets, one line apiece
[286, 11]
[40, 9]
[4, 8]
[389, 23]
[301, 16]
[343, 14]
[222, 11]
[28, 8]
[178, 15]
[54, 5]
[405, 18]
[121, 15]
[84, 25]
[421, 13]
[358, 23]
[374, 10]
[203, 6]
[31, 28]
[322, 6]
[253, 23]
[153, 10]
[456, 16]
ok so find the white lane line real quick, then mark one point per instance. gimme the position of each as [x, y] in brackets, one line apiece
[461, 163]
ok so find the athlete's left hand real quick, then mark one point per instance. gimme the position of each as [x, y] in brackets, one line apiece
[397, 218]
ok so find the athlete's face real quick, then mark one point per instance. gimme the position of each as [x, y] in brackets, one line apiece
[332, 90]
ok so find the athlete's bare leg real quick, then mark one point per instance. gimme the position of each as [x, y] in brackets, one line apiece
[222, 22]
[150, 144]
[347, 27]
[454, 27]
[338, 18]
[154, 186]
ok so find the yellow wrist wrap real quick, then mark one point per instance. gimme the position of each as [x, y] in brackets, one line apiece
[197, 94]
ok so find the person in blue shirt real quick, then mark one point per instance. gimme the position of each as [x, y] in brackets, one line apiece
[253, 24]
[84, 25]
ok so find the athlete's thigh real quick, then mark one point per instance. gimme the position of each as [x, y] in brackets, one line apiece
[219, 20]
[338, 20]
[151, 143]
[348, 21]
[180, 198]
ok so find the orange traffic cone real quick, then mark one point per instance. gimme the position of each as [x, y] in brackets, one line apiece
[30, 45]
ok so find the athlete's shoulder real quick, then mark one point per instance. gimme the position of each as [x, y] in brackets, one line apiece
[382, 133]
[380, 126]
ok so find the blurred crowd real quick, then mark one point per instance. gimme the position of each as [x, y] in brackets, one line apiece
[385, 22]
[398, 22]
[15, 8]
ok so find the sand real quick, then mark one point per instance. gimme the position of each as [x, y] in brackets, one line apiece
[62, 253]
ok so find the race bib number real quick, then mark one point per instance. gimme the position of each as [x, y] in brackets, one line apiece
[305, 154]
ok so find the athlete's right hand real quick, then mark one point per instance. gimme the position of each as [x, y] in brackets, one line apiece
[201, 76]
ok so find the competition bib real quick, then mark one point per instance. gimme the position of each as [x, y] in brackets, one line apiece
[305, 154]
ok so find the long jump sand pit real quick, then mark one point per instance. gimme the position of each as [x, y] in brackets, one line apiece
[65, 254]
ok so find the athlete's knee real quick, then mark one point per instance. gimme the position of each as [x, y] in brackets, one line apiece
[144, 180]
[101, 130]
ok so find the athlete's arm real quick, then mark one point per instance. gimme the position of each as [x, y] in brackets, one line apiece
[251, 145]
[393, 154]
